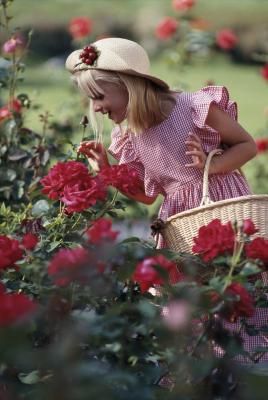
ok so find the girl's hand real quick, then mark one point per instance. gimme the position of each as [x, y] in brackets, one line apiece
[96, 154]
[195, 150]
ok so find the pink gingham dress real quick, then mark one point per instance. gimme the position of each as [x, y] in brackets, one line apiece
[158, 155]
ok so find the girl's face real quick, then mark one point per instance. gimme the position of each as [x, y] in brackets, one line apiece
[113, 101]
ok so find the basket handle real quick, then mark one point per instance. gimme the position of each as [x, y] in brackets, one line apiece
[205, 193]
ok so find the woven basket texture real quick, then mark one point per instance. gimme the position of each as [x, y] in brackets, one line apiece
[180, 229]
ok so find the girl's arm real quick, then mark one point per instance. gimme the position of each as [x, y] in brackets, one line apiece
[242, 146]
[97, 157]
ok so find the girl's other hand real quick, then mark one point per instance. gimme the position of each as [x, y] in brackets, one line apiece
[96, 154]
[195, 150]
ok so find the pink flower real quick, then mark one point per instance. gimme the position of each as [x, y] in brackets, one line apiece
[262, 145]
[69, 265]
[101, 231]
[258, 250]
[10, 252]
[29, 241]
[176, 315]
[166, 28]
[146, 274]
[12, 44]
[226, 39]
[249, 227]
[214, 239]
[183, 4]
[7, 110]
[14, 307]
[80, 27]
[264, 72]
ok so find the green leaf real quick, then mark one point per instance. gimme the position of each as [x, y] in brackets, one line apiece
[41, 207]
[29, 379]
[53, 246]
[131, 239]
[249, 269]
[7, 175]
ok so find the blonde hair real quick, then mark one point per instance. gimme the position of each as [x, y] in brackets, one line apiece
[145, 98]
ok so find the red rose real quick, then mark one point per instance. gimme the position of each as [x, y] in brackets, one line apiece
[242, 304]
[226, 39]
[166, 28]
[10, 252]
[62, 174]
[262, 145]
[14, 307]
[214, 239]
[121, 177]
[101, 231]
[83, 194]
[29, 241]
[264, 72]
[69, 265]
[7, 110]
[249, 227]
[183, 4]
[146, 275]
[258, 250]
[80, 27]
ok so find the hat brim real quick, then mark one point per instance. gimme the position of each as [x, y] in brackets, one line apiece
[152, 78]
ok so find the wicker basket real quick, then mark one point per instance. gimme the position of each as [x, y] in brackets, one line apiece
[180, 229]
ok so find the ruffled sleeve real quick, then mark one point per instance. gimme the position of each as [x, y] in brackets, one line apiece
[202, 100]
[122, 149]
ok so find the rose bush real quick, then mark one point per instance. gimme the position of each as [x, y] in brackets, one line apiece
[84, 315]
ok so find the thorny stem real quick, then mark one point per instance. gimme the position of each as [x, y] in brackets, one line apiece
[238, 248]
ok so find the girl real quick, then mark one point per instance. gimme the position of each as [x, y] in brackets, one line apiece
[167, 134]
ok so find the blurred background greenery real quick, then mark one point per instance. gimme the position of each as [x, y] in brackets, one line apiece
[48, 84]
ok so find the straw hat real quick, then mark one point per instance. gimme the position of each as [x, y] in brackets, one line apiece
[121, 55]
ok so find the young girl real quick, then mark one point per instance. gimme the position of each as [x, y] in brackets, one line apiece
[167, 134]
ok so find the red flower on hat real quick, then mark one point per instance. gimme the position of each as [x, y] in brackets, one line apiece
[264, 72]
[214, 239]
[166, 28]
[101, 230]
[226, 39]
[183, 4]
[80, 27]
[262, 145]
[89, 55]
